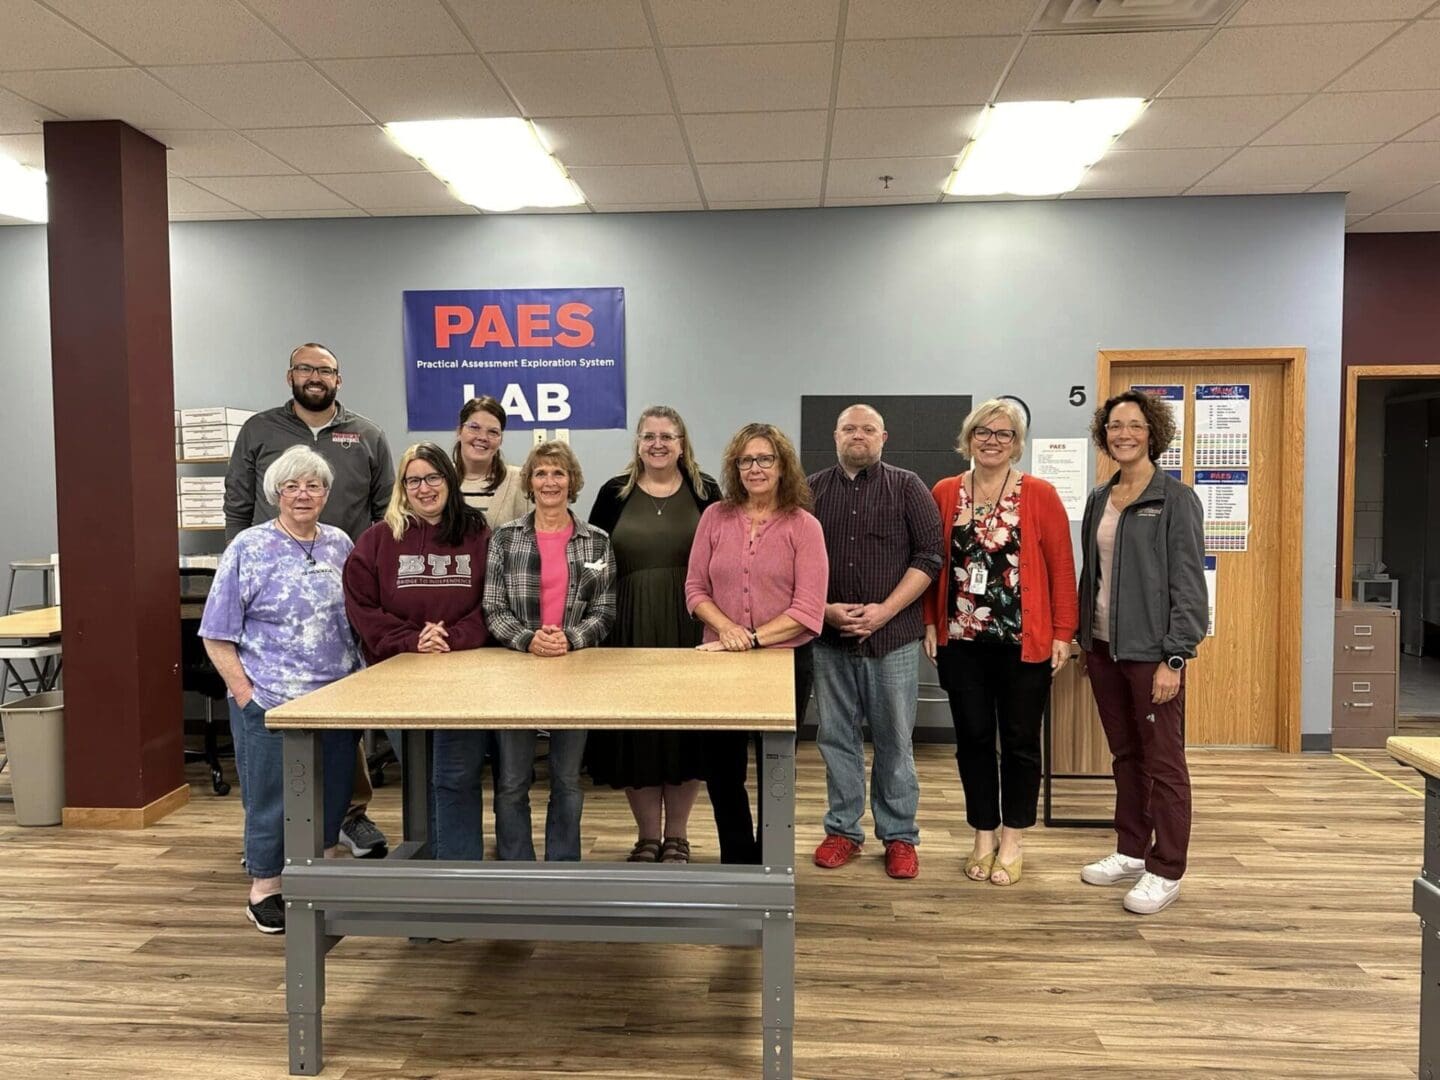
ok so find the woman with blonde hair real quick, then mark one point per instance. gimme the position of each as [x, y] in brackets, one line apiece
[651, 511]
[415, 583]
[998, 624]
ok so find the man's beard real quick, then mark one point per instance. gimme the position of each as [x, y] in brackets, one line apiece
[306, 402]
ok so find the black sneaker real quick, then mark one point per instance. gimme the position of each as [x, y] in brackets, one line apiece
[364, 838]
[268, 915]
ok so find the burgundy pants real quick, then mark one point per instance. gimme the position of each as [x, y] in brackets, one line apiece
[1152, 782]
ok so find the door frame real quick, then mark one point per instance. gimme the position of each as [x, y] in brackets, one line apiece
[1291, 359]
[1353, 374]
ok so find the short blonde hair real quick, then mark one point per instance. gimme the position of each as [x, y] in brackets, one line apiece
[297, 463]
[553, 452]
[1006, 407]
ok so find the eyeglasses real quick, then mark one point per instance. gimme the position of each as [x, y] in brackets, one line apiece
[1003, 436]
[650, 438]
[1134, 427]
[765, 461]
[291, 488]
[470, 427]
[306, 370]
[430, 480]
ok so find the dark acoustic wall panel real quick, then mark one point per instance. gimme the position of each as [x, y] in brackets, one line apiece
[922, 431]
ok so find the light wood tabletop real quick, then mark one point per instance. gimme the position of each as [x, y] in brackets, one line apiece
[1417, 751]
[40, 623]
[608, 689]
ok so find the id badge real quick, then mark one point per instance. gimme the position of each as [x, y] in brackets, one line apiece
[979, 578]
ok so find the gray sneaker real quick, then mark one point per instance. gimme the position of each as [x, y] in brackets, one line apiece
[364, 838]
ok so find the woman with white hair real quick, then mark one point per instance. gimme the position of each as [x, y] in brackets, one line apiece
[998, 623]
[275, 628]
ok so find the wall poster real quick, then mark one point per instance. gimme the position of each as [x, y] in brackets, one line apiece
[1222, 426]
[1225, 495]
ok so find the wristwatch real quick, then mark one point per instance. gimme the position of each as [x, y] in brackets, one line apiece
[754, 640]
[1175, 663]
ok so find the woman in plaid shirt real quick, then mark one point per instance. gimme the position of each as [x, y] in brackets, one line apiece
[549, 589]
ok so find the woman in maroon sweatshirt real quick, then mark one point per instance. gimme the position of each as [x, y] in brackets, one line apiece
[414, 583]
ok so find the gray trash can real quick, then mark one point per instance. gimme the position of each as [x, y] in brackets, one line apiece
[35, 744]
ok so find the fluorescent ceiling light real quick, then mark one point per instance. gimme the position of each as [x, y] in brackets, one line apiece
[1039, 147]
[498, 164]
[22, 191]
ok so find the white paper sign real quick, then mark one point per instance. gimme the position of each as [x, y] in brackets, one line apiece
[1225, 495]
[1210, 563]
[1222, 426]
[1062, 463]
[1173, 457]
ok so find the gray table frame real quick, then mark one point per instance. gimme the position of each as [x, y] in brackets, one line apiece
[1427, 905]
[409, 894]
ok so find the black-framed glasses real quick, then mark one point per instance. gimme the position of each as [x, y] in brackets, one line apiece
[306, 370]
[765, 461]
[1003, 436]
[430, 480]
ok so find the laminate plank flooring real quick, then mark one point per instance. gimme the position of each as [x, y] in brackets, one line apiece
[1292, 953]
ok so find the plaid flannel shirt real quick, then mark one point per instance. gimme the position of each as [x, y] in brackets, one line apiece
[512, 585]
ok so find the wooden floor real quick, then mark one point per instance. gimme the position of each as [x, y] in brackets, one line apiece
[1293, 953]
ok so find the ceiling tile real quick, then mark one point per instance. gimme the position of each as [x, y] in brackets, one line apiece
[1393, 163]
[614, 140]
[747, 78]
[915, 132]
[765, 136]
[761, 180]
[217, 153]
[1263, 12]
[127, 94]
[1286, 164]
[421, 87]
[605, 82]
[215, 215]
[1392, 222]
[177, 31]
[289, 94]
[938, 71]
[1277, 59]
[376, 191]
[531, 25]
[1210, 121]
[1368, 198]
[282, 214]
[936, 18]
[186, 198]
[19, 117]
[1427, 132]
[35, 38]
[861, 177]
[1067, 67]
[1247, 189]
[26, 149]
[1004, 198]
[1123, 169]
[365, 27]
[650, 208]
[1427, 201]
[883, 200]
[456, 210]
[361, 148]
[636, 183]
[704, 22]
[1355, 117]
[1117, 193]
[262, 193]
[1407, 61]
[766, 204]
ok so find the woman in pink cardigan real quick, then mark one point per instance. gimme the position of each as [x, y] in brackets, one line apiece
[757, 579]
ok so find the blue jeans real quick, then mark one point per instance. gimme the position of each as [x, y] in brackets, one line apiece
[851, 689]
[516, 764]
[459, 801]
[259, 762]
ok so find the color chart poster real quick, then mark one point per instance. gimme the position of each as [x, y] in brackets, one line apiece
[1222, 426]
[1225, 495]
[553, 358]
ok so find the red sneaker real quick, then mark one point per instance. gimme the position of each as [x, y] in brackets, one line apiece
[901, 860]
[835, 851]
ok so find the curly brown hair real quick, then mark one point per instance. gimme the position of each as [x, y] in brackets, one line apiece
[791, 490]
[1157, 417]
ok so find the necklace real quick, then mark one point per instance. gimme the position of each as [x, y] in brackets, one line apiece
[308, 552]
[982, 509]
[659, 503]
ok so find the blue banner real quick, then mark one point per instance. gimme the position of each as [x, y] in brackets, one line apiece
[553, 358]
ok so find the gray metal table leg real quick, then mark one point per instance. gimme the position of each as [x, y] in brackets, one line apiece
[415, 787]
[304, 925]
[777, 932]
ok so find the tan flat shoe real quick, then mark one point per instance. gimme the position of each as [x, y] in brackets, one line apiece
[982, 864]
[1011, 870]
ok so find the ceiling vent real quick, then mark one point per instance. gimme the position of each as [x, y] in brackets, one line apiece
[1122, 16]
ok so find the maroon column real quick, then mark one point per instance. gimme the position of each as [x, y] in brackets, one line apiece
[110, 348]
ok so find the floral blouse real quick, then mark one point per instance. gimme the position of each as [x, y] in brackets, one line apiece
[991, 542]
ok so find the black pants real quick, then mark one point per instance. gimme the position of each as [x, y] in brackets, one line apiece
[729, 768]
[992, 690]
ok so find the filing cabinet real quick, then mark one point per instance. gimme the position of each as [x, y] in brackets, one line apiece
[1366, 674]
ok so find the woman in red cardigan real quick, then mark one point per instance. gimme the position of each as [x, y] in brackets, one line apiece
[998, 624]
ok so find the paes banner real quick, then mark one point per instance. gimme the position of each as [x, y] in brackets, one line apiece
[551, 357]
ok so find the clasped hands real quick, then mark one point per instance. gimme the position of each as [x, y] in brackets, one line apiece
[549, 641]
[857, 620]
[734, 638]
[433, 638]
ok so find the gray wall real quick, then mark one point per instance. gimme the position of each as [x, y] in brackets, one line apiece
[732, 316]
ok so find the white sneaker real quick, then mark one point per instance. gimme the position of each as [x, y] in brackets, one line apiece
[1113, 869]
[1151, 893]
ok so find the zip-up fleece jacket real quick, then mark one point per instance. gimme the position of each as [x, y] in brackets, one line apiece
[1158, 603]
[354, 446]
[394, 587]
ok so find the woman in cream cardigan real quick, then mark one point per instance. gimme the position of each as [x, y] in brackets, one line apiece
[486, 482]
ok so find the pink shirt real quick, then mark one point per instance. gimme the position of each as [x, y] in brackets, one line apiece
[783, 571]
[1105, 546]
[554, 574]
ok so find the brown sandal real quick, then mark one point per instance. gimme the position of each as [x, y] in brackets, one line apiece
[644, 851]
[675, 850]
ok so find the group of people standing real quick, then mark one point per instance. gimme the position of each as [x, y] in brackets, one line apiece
[855, 570]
